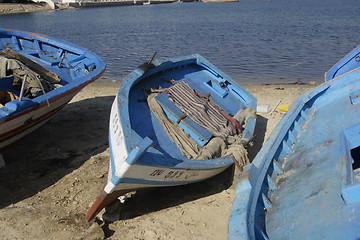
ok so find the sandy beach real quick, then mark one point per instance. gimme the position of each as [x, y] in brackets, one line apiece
[52, 176]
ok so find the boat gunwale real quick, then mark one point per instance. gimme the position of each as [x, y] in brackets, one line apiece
[56, 42]
[343, 61]
[254, 176]
[53, 96]
[138, 75]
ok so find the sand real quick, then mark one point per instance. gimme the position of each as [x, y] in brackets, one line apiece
[52, 176]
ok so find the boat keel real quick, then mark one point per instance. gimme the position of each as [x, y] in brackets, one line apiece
[102, 201]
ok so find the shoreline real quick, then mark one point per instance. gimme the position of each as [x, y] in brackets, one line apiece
[23, 8]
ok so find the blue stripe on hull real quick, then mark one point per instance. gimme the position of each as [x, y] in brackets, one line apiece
[116, 181]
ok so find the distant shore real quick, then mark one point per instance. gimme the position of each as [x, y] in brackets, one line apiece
[17, 8]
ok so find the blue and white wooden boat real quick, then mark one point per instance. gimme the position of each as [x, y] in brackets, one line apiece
[346, 64]
[142, 154]
[305, 181]
[73, 68]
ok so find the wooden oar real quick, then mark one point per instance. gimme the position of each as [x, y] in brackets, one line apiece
[42, 71]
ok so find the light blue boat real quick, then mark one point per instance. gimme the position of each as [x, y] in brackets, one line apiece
[155, 141]
[58, 70]
[305, 181]
[346, 64]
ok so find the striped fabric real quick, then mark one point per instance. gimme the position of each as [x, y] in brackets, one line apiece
[202, 110]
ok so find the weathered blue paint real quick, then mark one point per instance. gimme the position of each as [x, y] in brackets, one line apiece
[303, 184]
[350, 191]
[139, 150]
[139, 123]
[196, 71]
[346, 64]
[141, 153]
[75, 66]
[144, 182]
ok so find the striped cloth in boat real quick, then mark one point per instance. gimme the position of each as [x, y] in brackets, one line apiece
[202, 110]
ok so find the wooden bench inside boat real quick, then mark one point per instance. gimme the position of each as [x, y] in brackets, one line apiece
[198, 133]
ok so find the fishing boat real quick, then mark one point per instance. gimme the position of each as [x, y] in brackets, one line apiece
[172, 123]
[346, 64]
[39, 75]
[305, 181]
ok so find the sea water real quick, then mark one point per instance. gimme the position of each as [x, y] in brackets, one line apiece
[278, 41]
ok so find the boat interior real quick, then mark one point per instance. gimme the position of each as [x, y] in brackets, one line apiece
[203, 81]
[56, 66]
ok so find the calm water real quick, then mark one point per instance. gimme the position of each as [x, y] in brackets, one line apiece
[252, 41]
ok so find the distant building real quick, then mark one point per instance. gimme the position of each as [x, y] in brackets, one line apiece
[96, 3]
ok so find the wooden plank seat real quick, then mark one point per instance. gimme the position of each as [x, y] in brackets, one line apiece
[197, 132]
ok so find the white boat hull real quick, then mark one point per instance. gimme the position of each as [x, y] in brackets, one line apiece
[142, 153]
[18, 126]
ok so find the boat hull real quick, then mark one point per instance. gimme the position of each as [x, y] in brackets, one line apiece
[24, 123]
[19, 118]
[304, 182]
[346, 64]
[142, 156]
